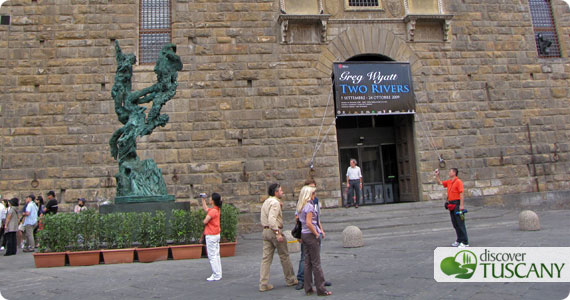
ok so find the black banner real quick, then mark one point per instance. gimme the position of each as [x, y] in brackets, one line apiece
[373, 88]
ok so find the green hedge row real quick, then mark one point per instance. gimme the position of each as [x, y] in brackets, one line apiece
[90, 230]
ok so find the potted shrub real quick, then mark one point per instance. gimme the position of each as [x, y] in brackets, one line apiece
[152, 237]
[184, 231]
[85, 238]
[53, 240]
[228, 235]
[117, 233]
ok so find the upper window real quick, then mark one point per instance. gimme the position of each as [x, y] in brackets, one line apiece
[544, 29]
[155, 28]
[362, 4]
[5, 20]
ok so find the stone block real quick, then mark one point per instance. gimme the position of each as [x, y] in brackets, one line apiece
[293, 244]
[529, 221]
[352, 237]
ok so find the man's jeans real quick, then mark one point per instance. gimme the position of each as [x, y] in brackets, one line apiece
[301, 271]
[459, 226]
[354, 188]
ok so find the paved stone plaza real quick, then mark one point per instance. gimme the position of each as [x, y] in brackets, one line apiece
[395, 263]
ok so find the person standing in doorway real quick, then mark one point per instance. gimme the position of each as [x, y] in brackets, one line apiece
[212, 234]
[455, 205]
[353, 183]
[273, 238]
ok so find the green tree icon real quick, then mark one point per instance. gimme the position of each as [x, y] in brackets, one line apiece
[463, 264]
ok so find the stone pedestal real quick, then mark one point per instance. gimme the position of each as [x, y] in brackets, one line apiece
[293, 244]
[140, 199]
[529, 221]
[352, 237]
[167, 207]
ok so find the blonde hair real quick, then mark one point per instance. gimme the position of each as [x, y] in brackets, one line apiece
[304, 197]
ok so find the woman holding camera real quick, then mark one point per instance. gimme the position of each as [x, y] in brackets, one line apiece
[212, 234]
[310, 235]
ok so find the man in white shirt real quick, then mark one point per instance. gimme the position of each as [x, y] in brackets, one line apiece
[30, 222]
[353, 183]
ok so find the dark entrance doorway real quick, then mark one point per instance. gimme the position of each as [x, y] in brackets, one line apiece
[383, 145]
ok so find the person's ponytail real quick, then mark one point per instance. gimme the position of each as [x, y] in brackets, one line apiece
[217, 199]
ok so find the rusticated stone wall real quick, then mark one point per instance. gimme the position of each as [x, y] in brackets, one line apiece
[248, 108]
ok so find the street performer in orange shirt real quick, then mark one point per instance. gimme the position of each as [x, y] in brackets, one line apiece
[455, 205]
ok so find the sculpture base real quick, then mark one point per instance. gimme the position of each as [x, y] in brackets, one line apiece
[143, 199]
[167, 207]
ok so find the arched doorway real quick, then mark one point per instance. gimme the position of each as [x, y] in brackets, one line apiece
[383, 145]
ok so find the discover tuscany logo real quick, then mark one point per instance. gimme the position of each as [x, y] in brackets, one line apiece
[502, 264]
[462, 265]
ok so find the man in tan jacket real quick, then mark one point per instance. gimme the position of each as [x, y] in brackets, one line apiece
[273, 238]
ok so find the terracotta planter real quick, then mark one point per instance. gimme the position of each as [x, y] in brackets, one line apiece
[152, 254]
[186, 251]
[118, 256]
[48, 260]
[228, 249]
[84, 258]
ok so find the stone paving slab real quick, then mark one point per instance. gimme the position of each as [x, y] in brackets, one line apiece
[395, 263]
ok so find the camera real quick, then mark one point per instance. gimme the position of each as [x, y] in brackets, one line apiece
[203, 195]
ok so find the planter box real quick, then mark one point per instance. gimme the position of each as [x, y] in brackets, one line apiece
[228, 249]
[152, 254]
[49, 260]
[84, 258]
[118, 256]
[186, 251]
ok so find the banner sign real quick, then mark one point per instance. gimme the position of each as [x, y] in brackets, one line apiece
[373, 88]
[502, 264]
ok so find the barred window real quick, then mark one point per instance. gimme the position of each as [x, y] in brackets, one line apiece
[5, 20]
[155, 28]
[544, 28]
[363, 3]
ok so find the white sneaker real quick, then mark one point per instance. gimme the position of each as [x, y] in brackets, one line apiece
[455, 244]
[1, 248]
[212, 278]
[461, 245]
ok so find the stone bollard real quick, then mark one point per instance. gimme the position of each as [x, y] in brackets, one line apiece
[352, 237]
[293, 244]
[529, 221]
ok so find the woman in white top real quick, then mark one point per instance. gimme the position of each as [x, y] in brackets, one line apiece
[3, 212]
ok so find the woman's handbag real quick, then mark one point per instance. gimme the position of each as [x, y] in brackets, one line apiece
[296, 232]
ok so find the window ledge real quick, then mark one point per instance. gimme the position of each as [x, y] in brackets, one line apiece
[320, 20]
[411, 20]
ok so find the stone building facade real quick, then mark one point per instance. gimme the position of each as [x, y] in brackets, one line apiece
[255, 97]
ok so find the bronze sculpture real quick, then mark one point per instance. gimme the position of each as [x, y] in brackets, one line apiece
[138, 179]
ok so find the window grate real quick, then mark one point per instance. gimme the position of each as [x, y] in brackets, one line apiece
[5, 20]
[155, 28]
[545, 35]
[363, 3]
